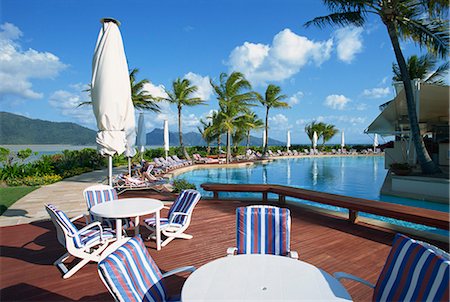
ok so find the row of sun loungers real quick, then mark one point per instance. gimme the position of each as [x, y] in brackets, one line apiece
[250, 154]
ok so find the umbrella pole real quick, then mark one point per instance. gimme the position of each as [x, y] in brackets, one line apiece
[129, 166]
[110, 170]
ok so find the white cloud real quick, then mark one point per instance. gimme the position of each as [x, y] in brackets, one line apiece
[361, 107]
[66, 102]
[18, 67]
[204, 87]
[345, 119]
[336, 101]
[301, 122]
[155, 91]
[376, 93]
[295, 98]
[278, 122]
[349, 43]
[288, 53]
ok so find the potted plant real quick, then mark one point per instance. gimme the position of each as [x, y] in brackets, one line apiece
[401, 169]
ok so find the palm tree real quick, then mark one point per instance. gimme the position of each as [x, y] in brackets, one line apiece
[141, 98]
[234, 99]
[328, 132]
[424, 68]
[273, 99]
[207, 133]
[423, 21]
[312, 127]
[181, 95]
[251, 122]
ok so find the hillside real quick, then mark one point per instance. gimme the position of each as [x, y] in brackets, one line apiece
[156, 138]
[20, 130]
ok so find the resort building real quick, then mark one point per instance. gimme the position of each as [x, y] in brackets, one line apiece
[432, 105]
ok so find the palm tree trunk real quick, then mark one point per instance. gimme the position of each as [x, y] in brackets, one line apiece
[208, 149]
[180, 132]
[248, 139]
[267, 132]
[228, 146]
[426, 164]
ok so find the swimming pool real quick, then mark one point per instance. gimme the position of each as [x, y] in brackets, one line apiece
[356, 176]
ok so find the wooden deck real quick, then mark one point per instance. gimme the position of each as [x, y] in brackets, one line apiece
[331, 243]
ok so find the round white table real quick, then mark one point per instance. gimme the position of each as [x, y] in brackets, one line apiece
[130, 207]
[261, 277]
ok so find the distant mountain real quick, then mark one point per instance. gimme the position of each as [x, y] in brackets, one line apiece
[19, 130]
[156, 138]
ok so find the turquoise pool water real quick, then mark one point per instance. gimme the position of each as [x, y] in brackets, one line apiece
[357, 176]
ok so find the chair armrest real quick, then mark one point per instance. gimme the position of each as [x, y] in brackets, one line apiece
[90, 226]
[175, 214]
[231, 251]
[293, 255]
[342, 275]
[179, 270]
[78, 217]
[166, 207]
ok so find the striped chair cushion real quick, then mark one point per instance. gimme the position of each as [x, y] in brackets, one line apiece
[92, 236]
[70, 227]
[185, 203]
[98, 195]
[413, 272]
[164, 222]
[131, 274]
[94, 196]
[263, 230]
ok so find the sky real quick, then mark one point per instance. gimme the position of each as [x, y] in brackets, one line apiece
[335, 75]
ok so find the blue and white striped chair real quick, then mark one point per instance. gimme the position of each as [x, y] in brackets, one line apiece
[414, 271]
[98, 194]
[130, 274]
[87, 243]
[263, 230]
[179, 217]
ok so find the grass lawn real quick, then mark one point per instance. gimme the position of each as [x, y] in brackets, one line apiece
[10, 195]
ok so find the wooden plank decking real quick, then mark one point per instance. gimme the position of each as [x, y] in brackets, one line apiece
[333, 244]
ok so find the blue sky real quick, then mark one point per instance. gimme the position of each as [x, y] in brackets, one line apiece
[336, 75]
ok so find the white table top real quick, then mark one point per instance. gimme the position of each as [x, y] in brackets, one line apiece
[127, 207]
[261, 277]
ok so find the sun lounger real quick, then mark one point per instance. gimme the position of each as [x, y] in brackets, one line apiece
[205, 160]
[124, 183]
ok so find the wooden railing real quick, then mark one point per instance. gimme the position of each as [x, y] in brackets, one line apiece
[354, 205]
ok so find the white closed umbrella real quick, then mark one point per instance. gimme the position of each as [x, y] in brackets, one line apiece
[288, 140]
[342, 141]
[264, 138]
[111, 93]
[375, 142]
[166, 137]
[141, 135]
[314, 140]
[130, 149]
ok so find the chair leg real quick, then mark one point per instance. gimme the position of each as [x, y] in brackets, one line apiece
[76, 268]
[60, 263]
[172, 236]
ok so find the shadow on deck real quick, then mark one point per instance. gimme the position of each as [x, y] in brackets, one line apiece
[333, 244]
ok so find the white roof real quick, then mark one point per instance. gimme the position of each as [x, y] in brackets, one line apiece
[433, 109]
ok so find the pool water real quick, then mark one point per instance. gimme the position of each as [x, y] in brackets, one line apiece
[356, 176]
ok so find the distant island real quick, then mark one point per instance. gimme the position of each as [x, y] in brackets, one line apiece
[20, 130]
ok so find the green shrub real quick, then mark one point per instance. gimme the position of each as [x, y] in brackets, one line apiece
[182, 184]
[34, 180]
